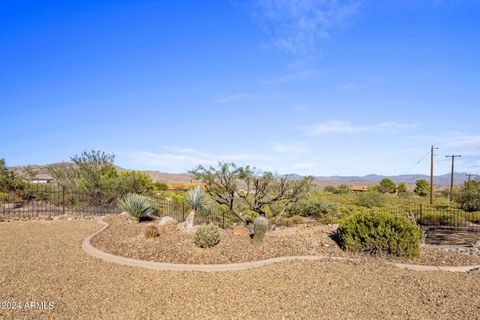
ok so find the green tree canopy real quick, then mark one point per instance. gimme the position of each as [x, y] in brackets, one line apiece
[422, 187]
[468, 197]
[386, 185]
[8, 179]
[342, 189]
[402, 188]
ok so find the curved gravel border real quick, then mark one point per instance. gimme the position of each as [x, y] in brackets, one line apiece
[153, 265]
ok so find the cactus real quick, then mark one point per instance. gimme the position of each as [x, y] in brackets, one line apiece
[260, 227]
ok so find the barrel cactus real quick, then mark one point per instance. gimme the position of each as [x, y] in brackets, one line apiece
[260, 227]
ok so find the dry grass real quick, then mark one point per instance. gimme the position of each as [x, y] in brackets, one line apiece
[43, 261]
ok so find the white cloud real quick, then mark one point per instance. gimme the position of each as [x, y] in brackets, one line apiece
[182, 159]
[337, 126]
[297, 26]
[463, 142]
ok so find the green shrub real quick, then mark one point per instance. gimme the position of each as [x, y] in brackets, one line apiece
[297, 219]
[436, 218]
[151, 232]
[468, 197]
[137, 206]
[207, 235]
[342, 189]
[380, 233]
[371, 199]
[313, 207]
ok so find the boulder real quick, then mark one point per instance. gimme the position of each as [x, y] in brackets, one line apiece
[476, 244]
[167, 220]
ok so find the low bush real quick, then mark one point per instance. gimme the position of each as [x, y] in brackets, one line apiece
[313, 208]
[151, 232]
[297, 219]
[380, 233]
[207, 235]
[436, 218]
[371, 199]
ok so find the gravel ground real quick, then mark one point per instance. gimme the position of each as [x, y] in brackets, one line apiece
[43, 261]
[128, 240]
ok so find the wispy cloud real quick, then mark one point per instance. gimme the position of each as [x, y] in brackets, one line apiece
[182, 159]
[463, 142]
[337, 126]
[297, 26]
[350, 86]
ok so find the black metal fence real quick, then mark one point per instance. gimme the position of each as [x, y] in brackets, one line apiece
[50, 200]
[440, 217]
[46, 200]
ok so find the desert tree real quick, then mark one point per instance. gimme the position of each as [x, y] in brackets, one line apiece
[422, 187]
[387, 185]
[264, 189]
[92, 173]
[229, 184]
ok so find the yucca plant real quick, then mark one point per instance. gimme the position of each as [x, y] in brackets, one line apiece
[196, 199]
[137, 206]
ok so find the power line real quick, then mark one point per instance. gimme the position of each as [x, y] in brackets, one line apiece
[418, 162]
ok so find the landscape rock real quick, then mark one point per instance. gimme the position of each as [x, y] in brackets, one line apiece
[239, 231]
[167, 220]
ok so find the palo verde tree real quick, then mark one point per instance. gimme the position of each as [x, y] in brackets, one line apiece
[229, 185]
[92, 174]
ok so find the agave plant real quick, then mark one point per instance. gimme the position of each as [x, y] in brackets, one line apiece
[137, 206]
[196, 199]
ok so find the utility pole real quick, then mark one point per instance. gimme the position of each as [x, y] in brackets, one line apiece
[453, 156]
[432, 155]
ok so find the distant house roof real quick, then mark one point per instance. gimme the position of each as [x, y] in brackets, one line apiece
[359, 188]
[180, 186]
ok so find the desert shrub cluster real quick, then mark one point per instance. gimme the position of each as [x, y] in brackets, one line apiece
[207, 235]
[378, 233]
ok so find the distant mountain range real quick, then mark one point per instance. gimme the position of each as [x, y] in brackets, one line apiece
[321, 181]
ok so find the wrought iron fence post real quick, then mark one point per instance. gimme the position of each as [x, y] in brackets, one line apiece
[63, 200]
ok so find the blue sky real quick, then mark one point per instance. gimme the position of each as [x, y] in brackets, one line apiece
[312, 87]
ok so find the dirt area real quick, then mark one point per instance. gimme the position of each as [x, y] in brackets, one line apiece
[128, 240]
[438, 236]
[43, 261]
